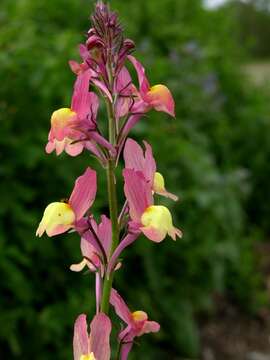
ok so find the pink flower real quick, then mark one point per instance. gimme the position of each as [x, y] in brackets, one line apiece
[93, 346]
[158, 97]
[59, 217]
[155, 221]
[75, 128]
[137, 159]
[137, 323]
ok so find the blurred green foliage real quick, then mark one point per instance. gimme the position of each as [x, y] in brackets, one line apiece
[214, 155]
[253, 17]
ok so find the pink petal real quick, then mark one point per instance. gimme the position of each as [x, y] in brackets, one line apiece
[128, 240]
[138, 193]
[90, 252]
[80, 338]
[160, 98]
[60, 229]
[150, 327]
[102, 141]
[134, 156]
[143, 82]
[100, 337]
[136, 159]
[150, 163]
[120, 307]
[50, 147]
[82, 98]
[125, 350]
[91, 240]
[124, 82]
[84, 193]
[93, 148]
[75, 66]
[103, 88]
[154, 234]
[83, 52]
[105, 233]
[74, 149]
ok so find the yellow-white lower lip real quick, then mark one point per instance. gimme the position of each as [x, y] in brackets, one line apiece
[56, 214]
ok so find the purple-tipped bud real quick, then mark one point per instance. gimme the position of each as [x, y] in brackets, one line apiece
[105, 38]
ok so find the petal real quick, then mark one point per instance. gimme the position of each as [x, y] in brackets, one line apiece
[154, 234]
[167, 194]
[174, 233]
[74, 149]
[143, 82]
[50, 147]
[105, 233]
[159, 187]
[100, 337]
[80, 338]
[160, 98]
[125, 350]
[75, 66]
[150, 327]
[103, 142]
[78, 267]
[83, 52]
[124, 82]
[120, 307]
[128, 240]
[84, 193]
[133, 156]
[150, 163]
[82, 98]
[138, 193]
[103, 88]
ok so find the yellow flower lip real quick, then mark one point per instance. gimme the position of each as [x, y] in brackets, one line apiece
[158, 217]
[159, 182]
[90, 356]
[61, 117]
[57, 215]
[139, 316]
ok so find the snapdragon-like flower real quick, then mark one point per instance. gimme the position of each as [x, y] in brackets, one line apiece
[59, 217]
[137, 323]
[137, 159]
[75, 128]
[155, 221]
[140, 101]
[93, 346]
[158, 96]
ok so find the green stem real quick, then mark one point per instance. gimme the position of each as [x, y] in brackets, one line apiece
[112, 197]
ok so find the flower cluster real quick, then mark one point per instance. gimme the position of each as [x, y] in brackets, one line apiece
[103, 75]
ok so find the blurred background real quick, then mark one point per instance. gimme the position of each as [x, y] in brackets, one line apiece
[210, 290]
